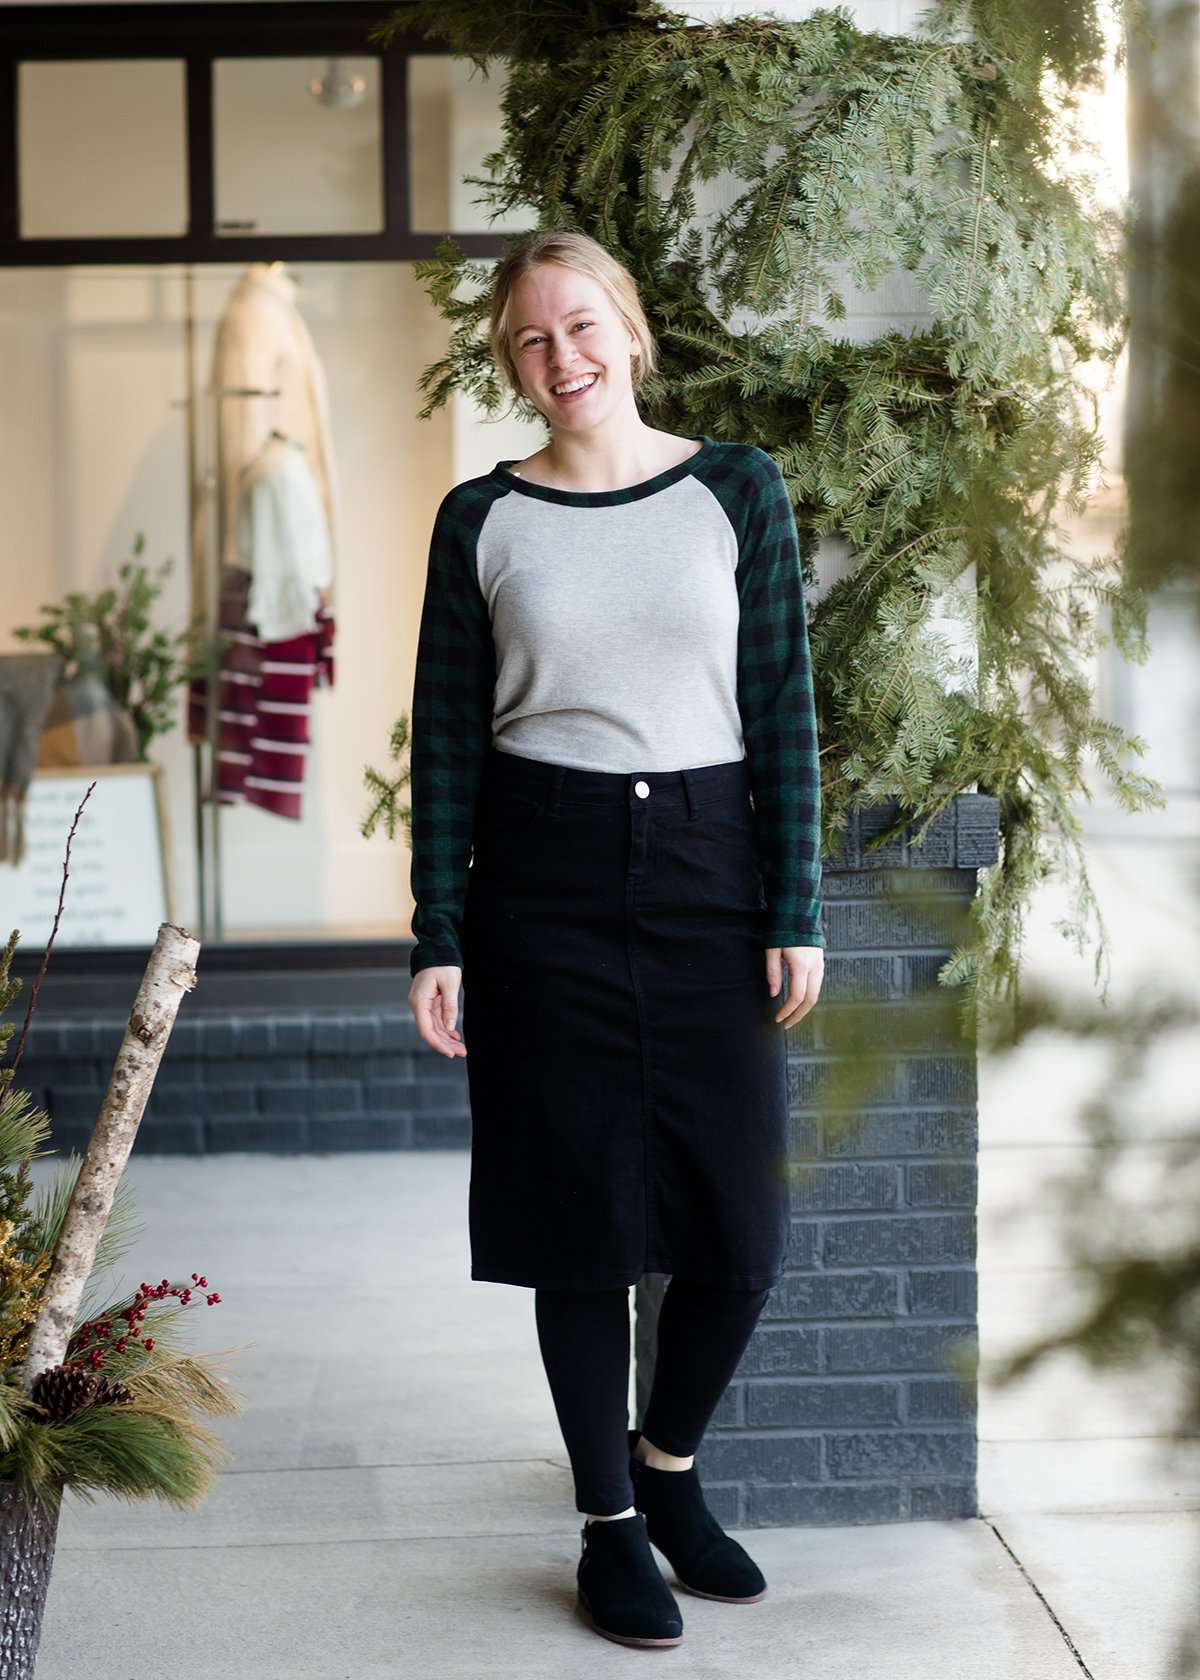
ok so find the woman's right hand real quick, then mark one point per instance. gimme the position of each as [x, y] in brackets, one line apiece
[433, 999]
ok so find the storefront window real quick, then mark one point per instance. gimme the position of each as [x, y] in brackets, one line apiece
[213, 339]
[109, 385]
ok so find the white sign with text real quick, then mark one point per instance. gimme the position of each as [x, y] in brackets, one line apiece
[116, 891]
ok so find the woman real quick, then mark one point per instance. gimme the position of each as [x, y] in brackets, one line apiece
[613, 707]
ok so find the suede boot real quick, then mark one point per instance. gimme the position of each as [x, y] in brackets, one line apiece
[706, 1560]
[622, 1594]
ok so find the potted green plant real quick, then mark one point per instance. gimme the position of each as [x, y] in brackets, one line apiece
[116, 664]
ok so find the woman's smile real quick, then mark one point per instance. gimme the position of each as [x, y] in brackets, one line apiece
[561, 393]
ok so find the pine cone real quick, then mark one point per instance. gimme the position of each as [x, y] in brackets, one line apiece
[110, 1393]
[63, 1390]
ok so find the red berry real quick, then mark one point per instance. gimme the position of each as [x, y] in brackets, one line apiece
[148, 1343]
[203, 1282]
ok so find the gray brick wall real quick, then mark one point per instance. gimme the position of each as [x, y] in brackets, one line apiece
[845, 1407]
[301, 1081]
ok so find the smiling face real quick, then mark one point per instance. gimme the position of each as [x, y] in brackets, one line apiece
[565, 332]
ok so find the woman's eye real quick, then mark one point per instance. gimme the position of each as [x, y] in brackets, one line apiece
[530, 342]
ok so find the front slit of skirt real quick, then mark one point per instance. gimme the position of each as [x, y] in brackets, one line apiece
[637, 856]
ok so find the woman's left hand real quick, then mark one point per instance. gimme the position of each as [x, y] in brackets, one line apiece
[806, 969]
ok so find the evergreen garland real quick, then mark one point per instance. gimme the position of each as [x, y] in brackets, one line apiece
[941, 455]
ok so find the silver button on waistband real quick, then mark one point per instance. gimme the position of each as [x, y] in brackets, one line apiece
[642, 789]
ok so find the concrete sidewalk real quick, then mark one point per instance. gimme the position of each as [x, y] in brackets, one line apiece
[399, 1502]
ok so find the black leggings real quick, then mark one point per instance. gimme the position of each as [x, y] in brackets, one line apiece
[584, 1338]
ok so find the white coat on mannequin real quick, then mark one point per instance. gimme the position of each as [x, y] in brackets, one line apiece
[282, 540]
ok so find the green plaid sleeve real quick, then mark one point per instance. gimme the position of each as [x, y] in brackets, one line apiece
[775, 699]
[451, 731]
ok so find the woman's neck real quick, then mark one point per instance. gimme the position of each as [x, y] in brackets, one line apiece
[661, 451]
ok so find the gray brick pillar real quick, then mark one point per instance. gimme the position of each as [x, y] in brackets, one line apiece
[845, 1408]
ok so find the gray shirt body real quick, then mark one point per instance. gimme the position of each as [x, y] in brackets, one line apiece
[615, 630]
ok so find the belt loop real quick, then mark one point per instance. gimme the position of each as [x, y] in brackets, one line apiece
[556, 782]
[690, 792]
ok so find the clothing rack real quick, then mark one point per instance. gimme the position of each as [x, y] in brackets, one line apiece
[204, 503]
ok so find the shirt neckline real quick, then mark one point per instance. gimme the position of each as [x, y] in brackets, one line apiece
[607, 498]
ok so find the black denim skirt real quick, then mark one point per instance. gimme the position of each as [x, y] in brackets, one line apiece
[627, 1080]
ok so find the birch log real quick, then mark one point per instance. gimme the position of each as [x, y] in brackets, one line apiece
[170, 971]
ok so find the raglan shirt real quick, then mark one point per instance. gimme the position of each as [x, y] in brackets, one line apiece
[657, 627]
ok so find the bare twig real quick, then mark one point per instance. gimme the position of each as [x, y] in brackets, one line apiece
[32, 1005]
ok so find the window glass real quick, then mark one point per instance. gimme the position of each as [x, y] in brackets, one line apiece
[102, 149]
[297, 146]
[454, 121]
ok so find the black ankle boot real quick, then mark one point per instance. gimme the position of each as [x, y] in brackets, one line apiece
[706, 1560]
[621, 1590]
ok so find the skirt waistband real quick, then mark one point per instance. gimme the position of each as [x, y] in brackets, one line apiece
[557, 785]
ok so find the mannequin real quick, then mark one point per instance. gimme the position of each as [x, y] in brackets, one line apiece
[262, 343]
[277, 514]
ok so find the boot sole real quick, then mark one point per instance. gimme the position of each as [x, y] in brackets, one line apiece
[585, 1610]
[720, 1598]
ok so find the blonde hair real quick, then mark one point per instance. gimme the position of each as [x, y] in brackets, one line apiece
[588, 256]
